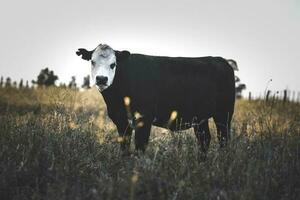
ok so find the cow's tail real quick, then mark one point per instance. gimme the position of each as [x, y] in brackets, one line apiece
[233, 64]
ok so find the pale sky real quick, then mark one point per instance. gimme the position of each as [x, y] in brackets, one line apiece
[263, 36]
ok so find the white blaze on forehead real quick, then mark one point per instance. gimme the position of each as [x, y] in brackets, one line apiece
[102, 59]
[103, 50]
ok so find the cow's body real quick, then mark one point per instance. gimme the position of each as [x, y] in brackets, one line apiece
[196, 88]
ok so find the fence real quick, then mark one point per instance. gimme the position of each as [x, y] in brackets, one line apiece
[284, 96]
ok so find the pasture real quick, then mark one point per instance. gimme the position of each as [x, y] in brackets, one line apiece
[59, 144]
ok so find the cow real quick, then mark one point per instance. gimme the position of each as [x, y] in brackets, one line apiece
[171, 92]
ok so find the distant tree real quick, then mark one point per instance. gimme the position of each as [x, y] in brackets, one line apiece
[21, 84]
[86, 82]
[8, 82]
[72, 84]
[46, 78]
[42, 77]
[27, 85]
[239, 87]
[51, 79]
[1, 82]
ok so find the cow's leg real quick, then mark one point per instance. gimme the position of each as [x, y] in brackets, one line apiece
[222, 122]
[203, 135]
[142, 133]
[125, 132]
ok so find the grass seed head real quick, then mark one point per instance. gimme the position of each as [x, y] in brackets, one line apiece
[120, 139]
[140, 125]
[134, 178]
[127, 101]
[173, 115]
[137, 115]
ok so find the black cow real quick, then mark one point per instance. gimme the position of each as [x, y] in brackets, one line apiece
[192, 90]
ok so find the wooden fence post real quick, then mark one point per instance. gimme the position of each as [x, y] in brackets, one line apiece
[268, 94]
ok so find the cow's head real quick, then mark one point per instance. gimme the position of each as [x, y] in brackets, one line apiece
[104, 62]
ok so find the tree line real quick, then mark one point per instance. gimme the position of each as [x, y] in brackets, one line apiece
[47, 78]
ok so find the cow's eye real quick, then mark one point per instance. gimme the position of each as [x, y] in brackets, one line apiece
[93, 62]
[112, 65]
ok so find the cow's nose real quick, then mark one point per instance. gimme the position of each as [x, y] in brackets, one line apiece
[101, 80]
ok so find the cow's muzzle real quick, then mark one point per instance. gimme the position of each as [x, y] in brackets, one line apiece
[101, 80]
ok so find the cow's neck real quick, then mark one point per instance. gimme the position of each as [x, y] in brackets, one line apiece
[112, 95]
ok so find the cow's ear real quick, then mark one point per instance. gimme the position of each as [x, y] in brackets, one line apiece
[122, 55]
[85, 54]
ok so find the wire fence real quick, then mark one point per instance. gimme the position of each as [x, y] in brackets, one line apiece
[283, 95]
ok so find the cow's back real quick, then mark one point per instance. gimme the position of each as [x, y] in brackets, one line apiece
[189, 88]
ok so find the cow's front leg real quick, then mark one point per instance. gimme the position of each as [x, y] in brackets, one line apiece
[203, 135]
[125, 133]
[142, 133]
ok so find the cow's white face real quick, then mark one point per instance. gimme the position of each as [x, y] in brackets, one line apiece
[104, 65]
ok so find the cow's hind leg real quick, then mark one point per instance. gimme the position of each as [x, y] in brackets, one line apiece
[142, 133]
[203, 134]
[223, 121]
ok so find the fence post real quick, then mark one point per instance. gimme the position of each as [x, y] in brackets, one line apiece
[249, 97]
[268, 94]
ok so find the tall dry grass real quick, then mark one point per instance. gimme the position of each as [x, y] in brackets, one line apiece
[60, 144]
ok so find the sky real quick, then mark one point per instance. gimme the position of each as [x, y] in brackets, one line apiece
[263, 36]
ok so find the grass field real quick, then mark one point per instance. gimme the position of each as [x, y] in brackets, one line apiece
[60, 144]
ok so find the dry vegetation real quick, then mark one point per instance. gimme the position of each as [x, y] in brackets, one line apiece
[60, 144]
